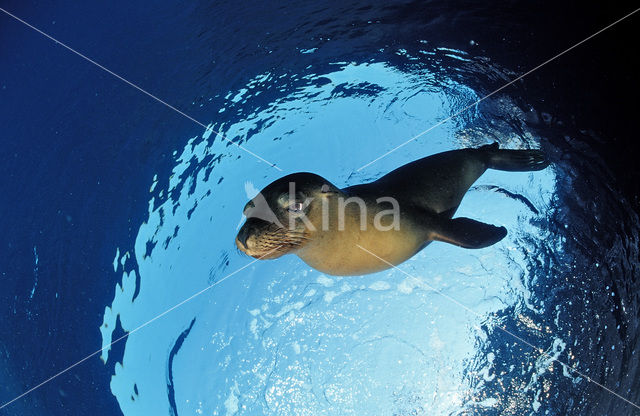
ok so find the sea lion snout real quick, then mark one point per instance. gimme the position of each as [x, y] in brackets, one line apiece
[241, 238]
[262, 239]
[246, 239]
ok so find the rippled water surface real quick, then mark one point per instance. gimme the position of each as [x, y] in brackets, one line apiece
[323, 88]
[281, 338]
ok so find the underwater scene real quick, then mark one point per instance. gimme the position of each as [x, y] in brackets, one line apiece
[135, 135]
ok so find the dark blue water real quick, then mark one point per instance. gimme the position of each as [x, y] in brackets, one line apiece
[325, 87]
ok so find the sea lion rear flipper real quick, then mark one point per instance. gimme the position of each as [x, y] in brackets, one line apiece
[514, 160]
[468, 233]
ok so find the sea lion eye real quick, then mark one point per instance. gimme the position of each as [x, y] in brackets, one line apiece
[295, 207]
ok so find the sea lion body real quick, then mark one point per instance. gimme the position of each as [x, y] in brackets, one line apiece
[335, 251]
[344, 231]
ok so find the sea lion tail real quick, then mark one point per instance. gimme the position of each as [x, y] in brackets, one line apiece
[514, 160]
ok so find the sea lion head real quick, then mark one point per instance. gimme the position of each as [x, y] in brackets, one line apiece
[280, 219]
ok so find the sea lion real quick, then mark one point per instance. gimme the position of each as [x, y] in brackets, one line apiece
[394, 217]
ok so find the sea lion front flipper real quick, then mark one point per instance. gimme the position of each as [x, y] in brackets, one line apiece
[468, 233]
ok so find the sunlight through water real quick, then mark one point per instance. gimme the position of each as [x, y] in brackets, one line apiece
[279, 338]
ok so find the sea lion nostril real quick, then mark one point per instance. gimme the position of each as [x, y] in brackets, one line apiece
[243, 234]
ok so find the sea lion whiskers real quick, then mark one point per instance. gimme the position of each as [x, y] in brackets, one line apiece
[278, 239]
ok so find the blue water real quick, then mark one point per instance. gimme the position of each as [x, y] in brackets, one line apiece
[117, 209]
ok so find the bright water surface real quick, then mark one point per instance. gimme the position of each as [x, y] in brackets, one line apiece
[280, 338]
[324, 87]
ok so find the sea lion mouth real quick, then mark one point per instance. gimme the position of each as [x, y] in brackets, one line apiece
[264, 240]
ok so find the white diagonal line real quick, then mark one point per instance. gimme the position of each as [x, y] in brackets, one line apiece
[141, 90]
[506, 331]
[496, 91]
[134, 330]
